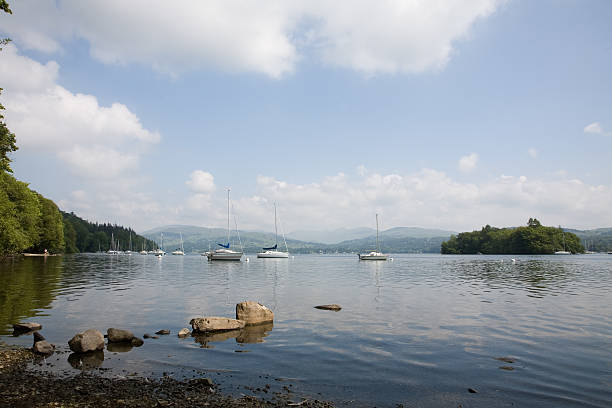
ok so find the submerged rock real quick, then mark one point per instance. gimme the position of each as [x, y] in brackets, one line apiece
[333, 307]
[26, 327]
[213, 323]
[163, 331]
[137, 342]
[253, 313]
[146, 336]
[89, 340]
[43, 347]
[184, 332]
[119, 335]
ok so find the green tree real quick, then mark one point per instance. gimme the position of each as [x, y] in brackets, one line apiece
[50, 227]
[20, 212]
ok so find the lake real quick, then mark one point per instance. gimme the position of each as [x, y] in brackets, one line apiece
[417, 330]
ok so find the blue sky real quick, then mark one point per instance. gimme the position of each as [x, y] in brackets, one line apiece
[434, 114]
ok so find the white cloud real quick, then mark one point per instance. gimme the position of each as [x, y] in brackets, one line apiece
[594, 127]
[46, 116]
[532, 152]
[372, 37]
[201, 182]
[468, 163]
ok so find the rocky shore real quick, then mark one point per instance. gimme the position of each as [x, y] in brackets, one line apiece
[22, 387]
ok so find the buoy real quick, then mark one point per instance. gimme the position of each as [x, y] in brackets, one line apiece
[390, 259]
[247, 259]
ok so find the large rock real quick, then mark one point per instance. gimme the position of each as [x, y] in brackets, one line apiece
[26, 327]
[89, 340]
[253, 313]
[213, 324]
[43, 347]
[38, 337]
[184, 332]
[119, 335]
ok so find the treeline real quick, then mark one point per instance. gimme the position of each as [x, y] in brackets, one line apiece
[531, 239]
[28, 221]
[84, 236]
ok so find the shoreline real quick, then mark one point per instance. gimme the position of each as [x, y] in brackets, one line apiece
[20, 386]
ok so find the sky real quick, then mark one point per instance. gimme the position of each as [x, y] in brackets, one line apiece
[435, 114]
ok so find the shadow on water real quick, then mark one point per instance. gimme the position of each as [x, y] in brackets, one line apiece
[29, 285]
[86, 361]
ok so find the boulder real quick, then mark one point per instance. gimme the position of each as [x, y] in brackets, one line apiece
[137, 342]
[253, 313]
[89, 340]
[213, 323]
[38, 337]
[119, 335]
[184, 332]
[333, 307]
[26, 327]
[163, 331]
[43, 347]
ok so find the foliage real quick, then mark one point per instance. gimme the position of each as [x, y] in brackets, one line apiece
[84, 236]
[50, 227]
[4, 6]
[20, 212]
[532, 239]
[7, 143]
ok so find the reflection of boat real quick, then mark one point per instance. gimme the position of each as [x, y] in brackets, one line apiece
[374, 255]
[225, 253]
[180, 251]
[113, 246]
[272, 252]
[564, 252]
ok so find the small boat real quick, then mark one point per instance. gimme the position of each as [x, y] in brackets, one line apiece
[181, 250]
[272, 252]
[159, 251]
[113, 246]
[374, 255]
[225, 253]
[564, 252]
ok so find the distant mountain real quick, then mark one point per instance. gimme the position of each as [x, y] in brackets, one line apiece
[598, 240]
[332, 236]
[401, 239]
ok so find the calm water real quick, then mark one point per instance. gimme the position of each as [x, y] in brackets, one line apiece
[419, 330]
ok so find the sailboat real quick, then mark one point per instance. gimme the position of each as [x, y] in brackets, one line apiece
[374, 255]
[159, 251]
[129, 251]
[180, 251]
[113, 247]
[564, 252]
[272, 252]
[143, 251]
[225, 253]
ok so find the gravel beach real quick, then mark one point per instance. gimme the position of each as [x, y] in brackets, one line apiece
[21, 386]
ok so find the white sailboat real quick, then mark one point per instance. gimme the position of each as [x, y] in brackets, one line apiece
[374, 255]
[272, 252]
[564, 252]
[180, 251]
[113, 246]
[160, 251]
[225, 253]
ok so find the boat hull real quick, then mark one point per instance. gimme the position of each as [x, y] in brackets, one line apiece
[563, 253]
[373, 256]
[273, 254]
[224, 255]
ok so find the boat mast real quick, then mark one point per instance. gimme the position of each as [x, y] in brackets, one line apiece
[228, 215]
[275, 228]
[377, 245]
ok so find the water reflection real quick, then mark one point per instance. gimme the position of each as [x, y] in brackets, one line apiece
[535, 276]
[86, 361]
[121, 347]
[246, 335]
[29, 285]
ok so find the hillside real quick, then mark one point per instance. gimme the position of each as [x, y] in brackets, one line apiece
[395, 240]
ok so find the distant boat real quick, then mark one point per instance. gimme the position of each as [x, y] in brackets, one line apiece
[113, 246]
[160, 251]
[272, 252]
[129, 251]
[180, 251]
[564, 252]
[374, 255]
[225, 253]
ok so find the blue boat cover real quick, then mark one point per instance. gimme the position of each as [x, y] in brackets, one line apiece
[224, 245]
[271, 248]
